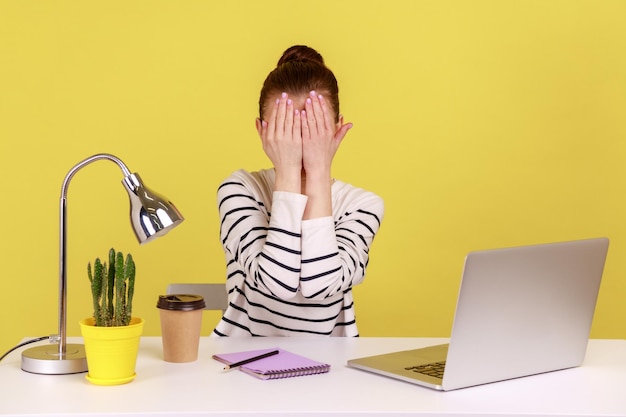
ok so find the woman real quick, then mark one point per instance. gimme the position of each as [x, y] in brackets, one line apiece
[296, 240]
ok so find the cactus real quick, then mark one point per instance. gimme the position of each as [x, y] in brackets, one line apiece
[97, 282]
[112, 289]
[110, 283]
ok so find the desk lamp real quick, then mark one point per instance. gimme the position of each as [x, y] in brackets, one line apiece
[151, 216]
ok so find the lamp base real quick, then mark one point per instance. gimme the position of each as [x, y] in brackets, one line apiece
[47, 360]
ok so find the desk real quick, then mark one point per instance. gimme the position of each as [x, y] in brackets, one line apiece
[203, 388]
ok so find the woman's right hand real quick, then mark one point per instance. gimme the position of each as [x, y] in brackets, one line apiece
[282, 143]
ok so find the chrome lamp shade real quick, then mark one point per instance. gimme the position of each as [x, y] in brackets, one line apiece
[151, 216]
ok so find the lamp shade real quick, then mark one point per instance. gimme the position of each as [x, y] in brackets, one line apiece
[151, 214]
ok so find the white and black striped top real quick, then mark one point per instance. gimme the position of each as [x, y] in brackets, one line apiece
[287, 276]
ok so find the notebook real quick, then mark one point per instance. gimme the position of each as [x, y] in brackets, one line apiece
[283, 365]
[520, 311]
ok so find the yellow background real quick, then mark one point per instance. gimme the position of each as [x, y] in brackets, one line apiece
[481, 123]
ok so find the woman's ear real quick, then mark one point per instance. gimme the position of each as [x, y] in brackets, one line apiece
[259, 126]
[340, 121]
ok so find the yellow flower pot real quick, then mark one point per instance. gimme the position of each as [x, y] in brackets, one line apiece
[111, 351]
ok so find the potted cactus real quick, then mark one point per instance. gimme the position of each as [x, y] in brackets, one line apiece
[112, 335]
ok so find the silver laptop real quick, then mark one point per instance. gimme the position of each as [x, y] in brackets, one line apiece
[521, 311]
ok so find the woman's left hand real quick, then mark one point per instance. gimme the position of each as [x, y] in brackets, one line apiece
[321, 136]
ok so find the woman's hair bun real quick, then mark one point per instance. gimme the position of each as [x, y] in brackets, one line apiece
[300, 53]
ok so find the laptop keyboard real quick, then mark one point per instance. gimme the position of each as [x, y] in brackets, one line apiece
[434, 369]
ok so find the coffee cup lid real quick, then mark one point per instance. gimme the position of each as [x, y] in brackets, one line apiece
[181, 302]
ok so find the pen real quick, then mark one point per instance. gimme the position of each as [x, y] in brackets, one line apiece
[254, 358]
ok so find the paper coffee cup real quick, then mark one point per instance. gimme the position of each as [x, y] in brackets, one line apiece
[181, 321]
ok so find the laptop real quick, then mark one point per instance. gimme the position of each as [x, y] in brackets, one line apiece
[520, 311]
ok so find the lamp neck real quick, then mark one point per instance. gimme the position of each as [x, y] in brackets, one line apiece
[85, 162]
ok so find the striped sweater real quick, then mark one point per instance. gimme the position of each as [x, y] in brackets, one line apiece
[287, 276]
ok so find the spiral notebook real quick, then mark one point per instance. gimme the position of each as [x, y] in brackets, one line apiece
[283, 365]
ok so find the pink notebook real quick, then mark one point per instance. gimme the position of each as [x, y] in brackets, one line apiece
[283, 365]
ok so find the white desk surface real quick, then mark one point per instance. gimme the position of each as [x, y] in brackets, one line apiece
[203, 388]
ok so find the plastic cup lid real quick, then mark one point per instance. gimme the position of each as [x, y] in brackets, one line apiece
[181, 302]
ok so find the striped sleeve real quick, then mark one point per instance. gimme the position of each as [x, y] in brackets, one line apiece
[335, 253]
[266, 245]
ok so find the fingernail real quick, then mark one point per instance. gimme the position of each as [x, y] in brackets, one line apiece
[308, 101]
[283, 95]
[312, 93]
[289, 102]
